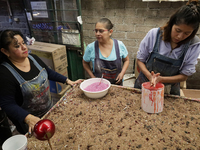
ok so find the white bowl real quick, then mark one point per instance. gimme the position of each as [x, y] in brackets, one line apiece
[98, 94]
[16, 142]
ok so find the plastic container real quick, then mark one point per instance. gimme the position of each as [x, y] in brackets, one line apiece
[16, 142]
[98, 94]
[152, 97]
[75, 66]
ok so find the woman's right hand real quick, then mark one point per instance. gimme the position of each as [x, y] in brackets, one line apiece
[68, 81]
[154, 78]
[31, 121]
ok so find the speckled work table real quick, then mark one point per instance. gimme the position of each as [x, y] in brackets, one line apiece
[117, 121]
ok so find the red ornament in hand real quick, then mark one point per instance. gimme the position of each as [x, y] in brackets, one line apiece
[44, 129]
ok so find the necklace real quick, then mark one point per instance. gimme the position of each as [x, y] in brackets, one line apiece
[23, 64]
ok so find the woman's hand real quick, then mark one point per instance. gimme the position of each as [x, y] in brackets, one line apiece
[124, 68]
[119, 77]
[154, 78]
[68, 81]
[31, 121]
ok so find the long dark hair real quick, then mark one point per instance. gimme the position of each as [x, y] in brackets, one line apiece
[6, 38]
[188, 14]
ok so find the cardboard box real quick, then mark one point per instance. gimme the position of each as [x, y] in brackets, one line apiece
[55, 57]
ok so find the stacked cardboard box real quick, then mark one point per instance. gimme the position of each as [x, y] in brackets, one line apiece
[55, 57]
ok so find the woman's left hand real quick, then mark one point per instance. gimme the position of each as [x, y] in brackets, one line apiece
[31, 121]
[119, 77]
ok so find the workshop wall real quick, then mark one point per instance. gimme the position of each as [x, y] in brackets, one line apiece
[132, 19]
[18, 19]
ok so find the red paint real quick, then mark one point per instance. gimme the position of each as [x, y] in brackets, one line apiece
[44, 129]
[148, 86]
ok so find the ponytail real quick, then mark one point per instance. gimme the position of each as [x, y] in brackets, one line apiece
[194, 2]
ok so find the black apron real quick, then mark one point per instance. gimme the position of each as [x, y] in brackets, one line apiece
[36, 93]
[109, 69]
[164, 65]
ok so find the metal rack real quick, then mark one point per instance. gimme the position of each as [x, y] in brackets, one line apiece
[59, 22]
[55, 21]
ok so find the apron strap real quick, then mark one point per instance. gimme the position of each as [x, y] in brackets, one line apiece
[19, 78]
[96, 49]
[157, 43]
[186, 46]
[184, 51]
[117, 49]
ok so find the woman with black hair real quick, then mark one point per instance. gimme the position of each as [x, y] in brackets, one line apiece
[24, 86]
[169, 54]
[109, 56]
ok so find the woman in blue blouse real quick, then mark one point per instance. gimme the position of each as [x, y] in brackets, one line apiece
[109, 56]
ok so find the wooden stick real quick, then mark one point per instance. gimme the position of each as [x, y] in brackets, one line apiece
[50, 144]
